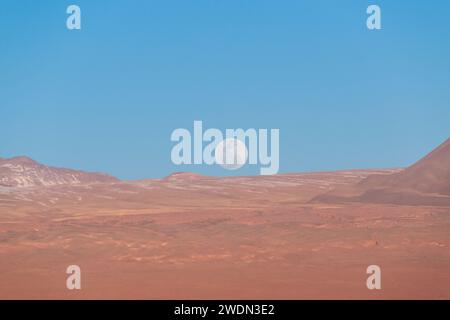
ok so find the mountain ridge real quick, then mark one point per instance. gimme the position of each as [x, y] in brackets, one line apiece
[23, 171]
[426, 182]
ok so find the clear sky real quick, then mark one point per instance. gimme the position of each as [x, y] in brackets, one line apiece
[107, 97]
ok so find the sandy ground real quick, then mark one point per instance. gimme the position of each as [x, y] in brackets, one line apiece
[235, 238]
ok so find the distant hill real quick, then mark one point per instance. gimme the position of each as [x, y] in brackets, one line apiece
[426, 182]
[25, 172]
[431, 174]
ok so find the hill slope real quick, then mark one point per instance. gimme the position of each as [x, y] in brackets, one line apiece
[25, 172]
[427, 182]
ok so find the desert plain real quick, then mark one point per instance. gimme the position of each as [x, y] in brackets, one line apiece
[188, 236]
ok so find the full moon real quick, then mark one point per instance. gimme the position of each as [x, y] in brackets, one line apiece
[231, 154]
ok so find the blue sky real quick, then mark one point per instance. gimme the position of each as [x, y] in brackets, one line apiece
[107, 97]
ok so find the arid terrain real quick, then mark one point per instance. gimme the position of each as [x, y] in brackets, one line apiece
[289, 236]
